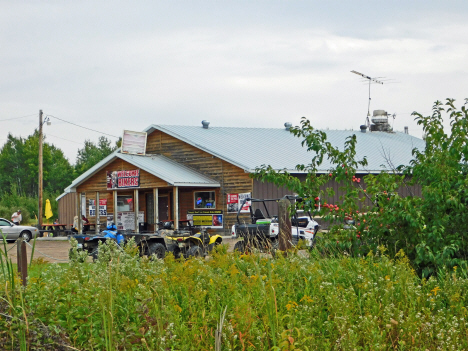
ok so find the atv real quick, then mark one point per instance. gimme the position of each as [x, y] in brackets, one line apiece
[148, 244]
[184, 243]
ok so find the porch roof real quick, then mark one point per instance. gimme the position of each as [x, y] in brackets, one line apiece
[175, 174]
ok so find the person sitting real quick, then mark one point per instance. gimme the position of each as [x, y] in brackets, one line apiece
[85, 223]
[56, 221]
[74, 228]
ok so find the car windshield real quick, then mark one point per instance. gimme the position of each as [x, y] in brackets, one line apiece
[4, 223]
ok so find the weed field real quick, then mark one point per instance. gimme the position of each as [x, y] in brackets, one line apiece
[297, 302]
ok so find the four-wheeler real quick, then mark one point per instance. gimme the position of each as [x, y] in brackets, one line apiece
[262, 233]
[148, 244]
[184, 242]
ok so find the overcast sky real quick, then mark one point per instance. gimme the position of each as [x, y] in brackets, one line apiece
[115, 65]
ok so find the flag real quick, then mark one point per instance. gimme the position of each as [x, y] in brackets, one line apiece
[48, 210]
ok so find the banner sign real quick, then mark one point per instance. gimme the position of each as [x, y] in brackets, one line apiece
[126, 220]
[102, 207]
[133, 142]
[207, 218]
[235, 200]
[123, 179]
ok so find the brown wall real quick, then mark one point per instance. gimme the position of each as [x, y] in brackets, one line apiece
[269, 191]
[98, 182]
[67, 209]
[232, 178]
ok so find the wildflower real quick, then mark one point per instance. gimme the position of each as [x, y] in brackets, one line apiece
[435, 290]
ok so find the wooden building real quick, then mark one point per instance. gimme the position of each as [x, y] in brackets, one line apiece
[202, 174]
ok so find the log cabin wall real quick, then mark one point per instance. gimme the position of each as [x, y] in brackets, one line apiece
[98, 182]
[232, 178]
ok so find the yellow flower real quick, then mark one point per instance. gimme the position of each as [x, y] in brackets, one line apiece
[435, 290]
[178, 308]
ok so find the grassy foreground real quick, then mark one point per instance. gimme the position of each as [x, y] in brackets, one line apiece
[123, 302]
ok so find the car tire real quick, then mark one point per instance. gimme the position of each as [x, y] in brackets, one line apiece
[26, 235]
[194, 251]
[157, 249]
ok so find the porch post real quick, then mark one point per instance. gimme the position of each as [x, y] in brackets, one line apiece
[114, 193]
[98, 221]
[176, 207]
[156, 208]
[136, 207]
[80, 221]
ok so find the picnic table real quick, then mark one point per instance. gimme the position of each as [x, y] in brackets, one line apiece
[55, 229]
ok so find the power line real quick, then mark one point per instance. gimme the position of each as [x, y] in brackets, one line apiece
[9, 119]
[97, 131]
[48, 134]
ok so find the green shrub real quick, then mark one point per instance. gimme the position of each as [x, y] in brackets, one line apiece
[431, 229]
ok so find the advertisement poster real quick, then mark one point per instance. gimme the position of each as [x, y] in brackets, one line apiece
[102, 207]
[123, 179]
[126, 220]
[235, 200]
[210, 218]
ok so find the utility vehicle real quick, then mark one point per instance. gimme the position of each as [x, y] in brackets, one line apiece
[263, 231]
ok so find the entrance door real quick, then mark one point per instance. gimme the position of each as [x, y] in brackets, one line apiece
[163, 208]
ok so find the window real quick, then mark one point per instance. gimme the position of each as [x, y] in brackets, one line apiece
[4, 223]
[204, 199]
[124, 203]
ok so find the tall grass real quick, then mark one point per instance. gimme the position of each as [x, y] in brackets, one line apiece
[123, 302]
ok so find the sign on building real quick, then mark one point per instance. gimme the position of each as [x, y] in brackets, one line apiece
[102, 207]
[133, 143]
[206, 218]
[123, 179]
[235, 200]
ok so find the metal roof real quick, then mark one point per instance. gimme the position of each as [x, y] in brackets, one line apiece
[175, 174]
[249, 148]
[169, 170]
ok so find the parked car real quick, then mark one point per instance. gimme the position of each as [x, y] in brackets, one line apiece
[13, 232]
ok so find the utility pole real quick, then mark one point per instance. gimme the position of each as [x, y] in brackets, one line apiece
[39, 214]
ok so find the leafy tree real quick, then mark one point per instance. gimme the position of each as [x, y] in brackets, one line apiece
[92, 153]
[431, 229]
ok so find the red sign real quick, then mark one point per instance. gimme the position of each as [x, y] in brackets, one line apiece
[123, 179]
[232, 198]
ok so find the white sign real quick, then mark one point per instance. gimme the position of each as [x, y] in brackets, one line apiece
[102, 207]
[235, 200]
[133, 143]
[126, 220]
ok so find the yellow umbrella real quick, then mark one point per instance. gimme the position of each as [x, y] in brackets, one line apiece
[48, 210]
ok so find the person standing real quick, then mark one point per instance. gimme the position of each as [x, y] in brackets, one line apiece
[16, 217]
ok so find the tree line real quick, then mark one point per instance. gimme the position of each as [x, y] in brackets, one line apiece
[19, 171]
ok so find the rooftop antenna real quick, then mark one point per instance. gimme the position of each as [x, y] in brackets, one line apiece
[371, 80]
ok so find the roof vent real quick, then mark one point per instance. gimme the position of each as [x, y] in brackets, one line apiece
[288, 125]
[363, 128]
[205, 123]
[406, 130]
